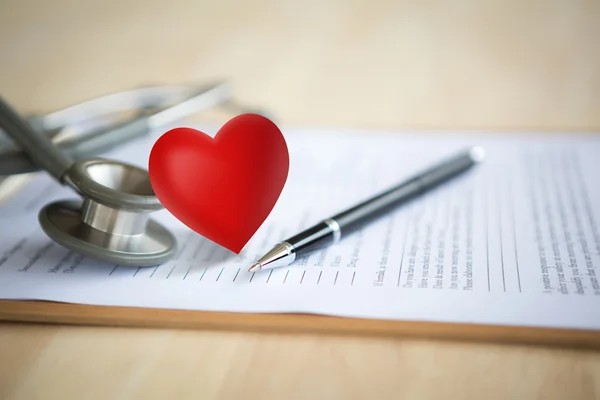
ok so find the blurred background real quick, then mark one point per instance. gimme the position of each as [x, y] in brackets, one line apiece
[492, 65]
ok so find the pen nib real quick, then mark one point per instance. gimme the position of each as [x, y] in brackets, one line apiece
[280, 255]
[255, 267]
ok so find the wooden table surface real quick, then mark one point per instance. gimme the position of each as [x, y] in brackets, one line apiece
[491, 65]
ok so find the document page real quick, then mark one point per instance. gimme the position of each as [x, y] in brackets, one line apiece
[513, 241]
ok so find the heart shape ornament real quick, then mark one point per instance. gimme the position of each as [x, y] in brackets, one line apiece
[223, 188]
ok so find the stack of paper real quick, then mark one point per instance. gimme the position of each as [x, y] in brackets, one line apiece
[515, 241]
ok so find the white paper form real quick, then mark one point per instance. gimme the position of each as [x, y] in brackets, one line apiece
[515, 241]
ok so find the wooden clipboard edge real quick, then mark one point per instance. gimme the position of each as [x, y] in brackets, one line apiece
[79, 314]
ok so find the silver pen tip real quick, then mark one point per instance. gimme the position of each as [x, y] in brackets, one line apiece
[280, 255]
[255, 267]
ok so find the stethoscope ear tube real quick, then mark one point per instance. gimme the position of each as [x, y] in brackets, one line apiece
[14, 162]
[39, 148]
[155, 107]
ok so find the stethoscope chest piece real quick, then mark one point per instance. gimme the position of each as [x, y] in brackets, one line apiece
[112, 222]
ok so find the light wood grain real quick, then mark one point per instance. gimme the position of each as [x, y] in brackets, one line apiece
[76, 314]
[100, 363]
[491, 65]
[457, 64]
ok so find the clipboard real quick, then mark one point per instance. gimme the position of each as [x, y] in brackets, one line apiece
[78, 314]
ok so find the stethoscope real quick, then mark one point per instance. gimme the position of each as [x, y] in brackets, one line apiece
[112, 221]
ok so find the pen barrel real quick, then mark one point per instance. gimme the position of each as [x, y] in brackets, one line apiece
[367, 211]
[356, 217]
[331, 230]
[313, 238]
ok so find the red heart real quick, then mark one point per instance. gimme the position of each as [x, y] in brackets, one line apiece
[222, 188]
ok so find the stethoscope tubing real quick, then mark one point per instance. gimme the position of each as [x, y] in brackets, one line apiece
[188, 100]
[38, 147]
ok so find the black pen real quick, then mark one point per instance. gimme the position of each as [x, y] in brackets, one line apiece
[330, 230]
